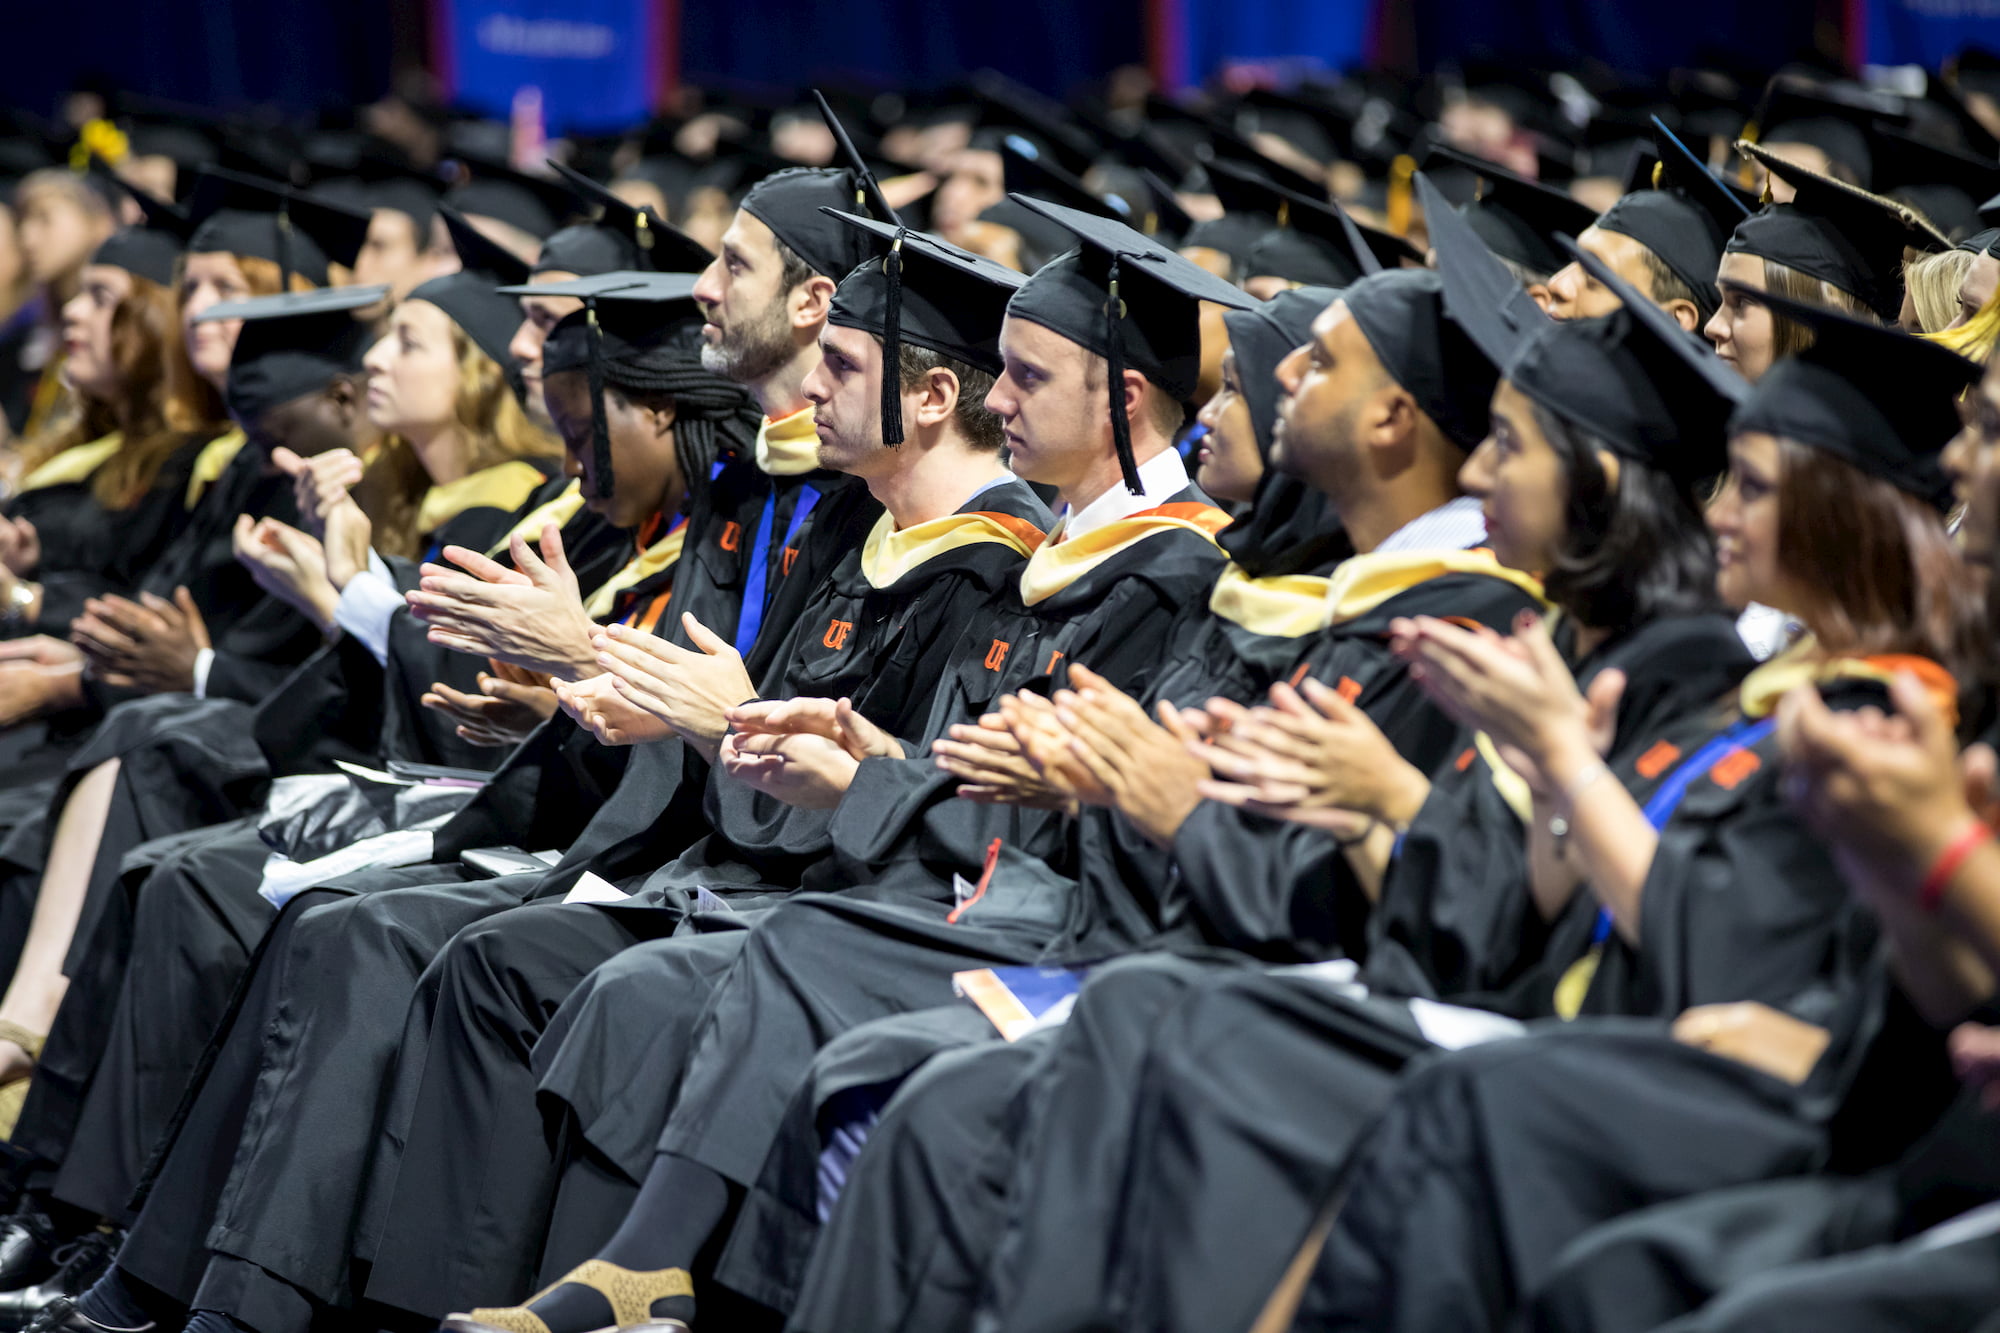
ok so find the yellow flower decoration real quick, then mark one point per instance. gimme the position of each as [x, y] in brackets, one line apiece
[102, 139]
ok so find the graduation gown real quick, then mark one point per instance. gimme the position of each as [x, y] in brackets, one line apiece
[1351, 651]
[818, 963]
[361, 955]
[1605, 1115]
[215, 869]
[881, 633]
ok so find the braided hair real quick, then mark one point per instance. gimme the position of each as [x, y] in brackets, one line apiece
[712, 415]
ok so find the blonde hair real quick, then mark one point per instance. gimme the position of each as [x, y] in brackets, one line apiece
[1933, 282]
[1976, 337]
[491, 421]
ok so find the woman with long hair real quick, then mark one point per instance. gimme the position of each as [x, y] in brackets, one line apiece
[100, 498]
[1833, 246]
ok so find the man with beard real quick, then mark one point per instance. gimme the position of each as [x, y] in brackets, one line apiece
[320, 1016]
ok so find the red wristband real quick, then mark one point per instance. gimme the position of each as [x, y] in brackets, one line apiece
[1930, 894]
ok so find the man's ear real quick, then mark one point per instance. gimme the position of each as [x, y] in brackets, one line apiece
[1686, 313]
[814, 300]
[940, 397]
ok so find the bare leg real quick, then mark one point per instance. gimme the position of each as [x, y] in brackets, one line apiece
[39, 984]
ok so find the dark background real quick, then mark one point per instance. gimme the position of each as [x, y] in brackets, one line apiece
[312, 54]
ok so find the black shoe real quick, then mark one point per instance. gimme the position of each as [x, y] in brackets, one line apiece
[80, 1263]
[27, 1249]
[62, 1316]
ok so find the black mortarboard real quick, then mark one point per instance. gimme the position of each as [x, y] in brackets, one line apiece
[926, 292]
[1982, 242]
[1308, 241]
[1130, 300]
[153, 247]
[1872, 396]
[624, 315]
[1165, 217]
[471, 296]
[1515, 216]
[1028, 172]
[1835, 120]
[244, 216]
[1403, 314]
[790, 203]
[635, 238]
[1040, 239]
[1976, 68]
[1945, 186]
[1480, 294]
[1685, 221]
[1837, 233]
[1007, 106]
[292, 344]
[1264, 335]
[1636, 380]
[528, 203]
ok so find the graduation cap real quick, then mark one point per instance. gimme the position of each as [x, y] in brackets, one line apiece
[471, 296]
[625, 315]
[1515, 216]
[1976, 69]
[527, 203]
[1010, 107]
[1264, 335]
[1835, 120]
[1685, 220]
[244, 216]
[1480, 294]
[1872, 396]
[1944, 185]
[1040, 239]
[926, 292]
[1165, 218]
[1130, 300]
[634, 236]
[1983, 241]
[1635, 379]
[1315, 242]
[844, 142]
[790, 203]
[292, 344]
[152, 248]
[1837, 233]
[1409, 323]
[1027, 171]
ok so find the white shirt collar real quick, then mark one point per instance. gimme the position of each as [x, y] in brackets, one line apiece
[1457, 525]
[1161, 476]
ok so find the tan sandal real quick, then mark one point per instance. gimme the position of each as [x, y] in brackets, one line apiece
[629, 1294]
[14, 1092]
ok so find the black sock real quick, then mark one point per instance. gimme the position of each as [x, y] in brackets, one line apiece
[676, 1219]
[215, 1321]
[110, 1302]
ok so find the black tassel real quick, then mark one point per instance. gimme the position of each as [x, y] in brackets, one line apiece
[892, 345]
[1114, 372]
[284, 249]
[600, 427]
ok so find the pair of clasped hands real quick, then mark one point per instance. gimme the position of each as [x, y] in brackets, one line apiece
[149, 645]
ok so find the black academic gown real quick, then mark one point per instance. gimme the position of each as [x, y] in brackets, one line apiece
[1242, 923]
[814, 964]
[187, 900]
[188, 918]
[1530, 1143]
[1824, 1251]
[885, 648]
[346, 953]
